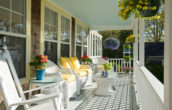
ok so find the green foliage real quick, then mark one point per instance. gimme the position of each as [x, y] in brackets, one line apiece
[107, 66]
[127, 58]
[121, 35]
[127, 46]
[157, 70]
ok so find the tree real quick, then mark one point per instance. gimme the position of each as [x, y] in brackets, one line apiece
[154, 28]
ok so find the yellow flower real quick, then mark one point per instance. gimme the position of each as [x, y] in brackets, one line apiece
[154, 8]
[145, 8]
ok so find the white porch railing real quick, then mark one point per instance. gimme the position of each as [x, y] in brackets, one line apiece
[119, 63]
[150, 90]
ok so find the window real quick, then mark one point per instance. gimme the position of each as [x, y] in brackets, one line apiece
[78, 40]
[12, 16]
[17, 49]
[85, 40]
[65, 36]
[51, 34]
[13, 21]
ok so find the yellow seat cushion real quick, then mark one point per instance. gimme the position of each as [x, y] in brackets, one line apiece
[101, 67]
[75, 62]
[85, 68]
[81, 73]
[68, 77]
[65, 62]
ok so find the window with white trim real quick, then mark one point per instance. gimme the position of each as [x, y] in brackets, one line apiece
[65, 37]
[13, 32]
[78, 40]
[85, 40]
[51, 34]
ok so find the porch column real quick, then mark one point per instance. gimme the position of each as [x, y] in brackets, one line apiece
[135, 30]
[141, 42]
[168, 56]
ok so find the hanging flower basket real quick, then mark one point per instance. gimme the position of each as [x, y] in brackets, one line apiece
[151, 9]
[144, 8]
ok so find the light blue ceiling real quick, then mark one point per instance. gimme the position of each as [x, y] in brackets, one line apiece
[97, 14]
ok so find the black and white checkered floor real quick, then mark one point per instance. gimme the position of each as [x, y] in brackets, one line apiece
[123, 99]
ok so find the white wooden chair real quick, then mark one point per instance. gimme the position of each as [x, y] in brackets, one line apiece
[70, 89]
[10, 93]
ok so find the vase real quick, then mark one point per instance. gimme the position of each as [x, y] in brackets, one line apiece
[40, 74]
[127, 71]
[127, 50]
[106, 74]
[150, 12]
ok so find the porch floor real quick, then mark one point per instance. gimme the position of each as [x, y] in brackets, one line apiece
[123, 99]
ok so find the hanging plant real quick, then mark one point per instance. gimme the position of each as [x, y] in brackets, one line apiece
[111, 43]
[151, 9]
[144, 8]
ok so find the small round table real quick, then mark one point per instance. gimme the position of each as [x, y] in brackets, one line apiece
[47, 80]
[105, 86]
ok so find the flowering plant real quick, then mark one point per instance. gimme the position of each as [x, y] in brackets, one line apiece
[145, 8]
[85, 58]
[127, 69]
[111, 43]
[39, 62]
[107, 66]
[130, 39]
[105, 58]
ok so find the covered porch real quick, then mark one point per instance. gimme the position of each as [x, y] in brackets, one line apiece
[65, 28]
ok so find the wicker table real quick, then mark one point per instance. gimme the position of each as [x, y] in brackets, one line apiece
[105, 86]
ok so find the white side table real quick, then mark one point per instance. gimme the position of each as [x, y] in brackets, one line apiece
[105, 86]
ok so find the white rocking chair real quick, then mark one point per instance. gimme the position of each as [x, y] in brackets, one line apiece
[10, 93]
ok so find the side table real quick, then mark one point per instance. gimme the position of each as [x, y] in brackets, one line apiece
[105, 86]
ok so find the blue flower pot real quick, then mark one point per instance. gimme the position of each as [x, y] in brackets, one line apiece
[106, 74]
[127, 50]
[40, 74]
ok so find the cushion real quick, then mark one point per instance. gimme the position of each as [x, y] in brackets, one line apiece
[75, 62]
[68, 77]
[87, 70]
[81, 73]
[65, 62]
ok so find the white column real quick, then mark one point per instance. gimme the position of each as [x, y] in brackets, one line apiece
[168, 56]
[135, 30]
[141, 42]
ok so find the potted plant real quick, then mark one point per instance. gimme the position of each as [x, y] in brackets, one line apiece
[39, 63]
[85, 59]
[144, 8]
[126, 69]
[130, 39]
[127, 58]
[107, 67]
[127, 48]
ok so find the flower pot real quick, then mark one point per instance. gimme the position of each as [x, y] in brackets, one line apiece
[106, 74]
[127, 71]
[127, 50]
[40, 74]
[149, 12]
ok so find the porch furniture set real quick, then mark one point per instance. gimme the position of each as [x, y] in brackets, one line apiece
[58, 86]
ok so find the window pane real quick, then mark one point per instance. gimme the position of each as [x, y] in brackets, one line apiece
[64, 50]
[18, 24]
[51, 24]
[4, 20]
[65, 29]
[17, 49]
[79, 34]
[78, 51]
[51, 51]
[18, 6]
[85, 51]
[85, 34]
[5, 3]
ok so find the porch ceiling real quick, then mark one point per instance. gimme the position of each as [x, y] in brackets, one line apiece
[97, 14]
